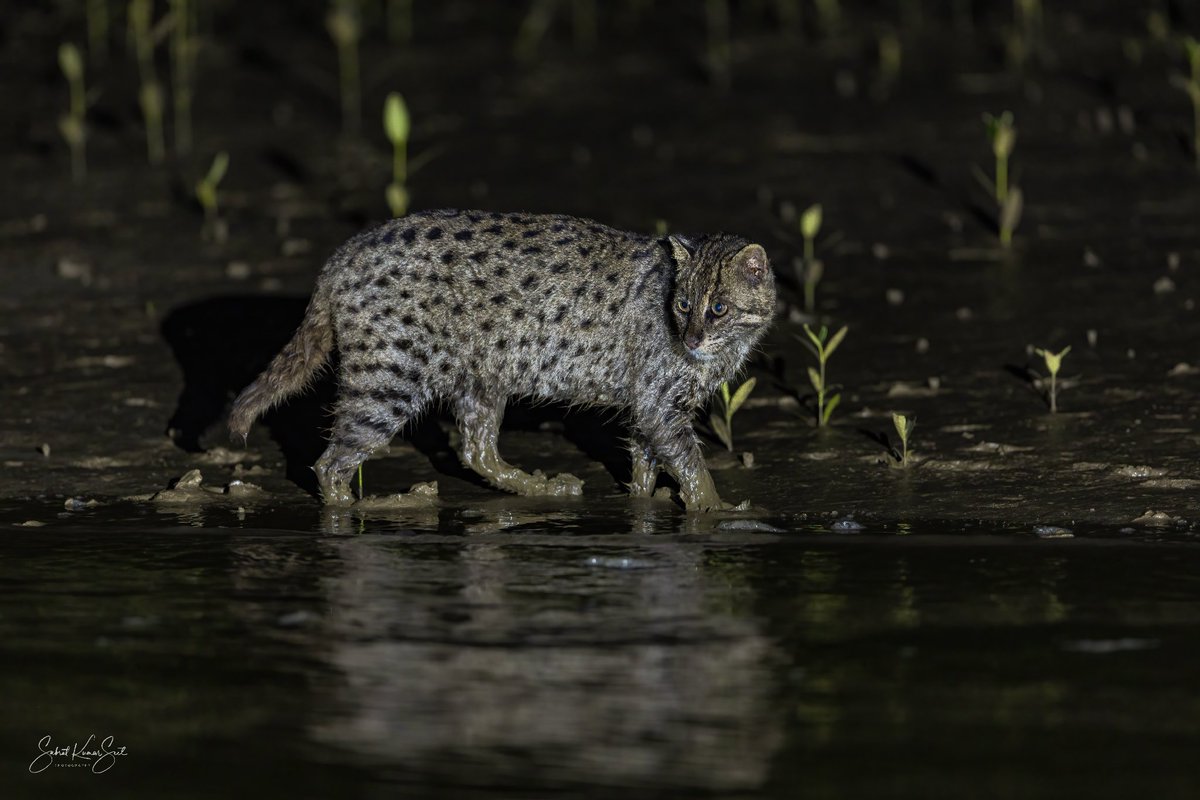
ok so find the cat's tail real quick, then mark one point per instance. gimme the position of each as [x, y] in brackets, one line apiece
[291, 370]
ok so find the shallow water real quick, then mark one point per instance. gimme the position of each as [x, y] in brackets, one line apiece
[523, 662]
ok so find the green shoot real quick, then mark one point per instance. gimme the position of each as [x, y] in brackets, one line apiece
[722, 424]
[360, 483]
[150, 95]
[150, 98]
[400, 21]
[1003, 137]
[822, 345]
[97, 30]
[810, 226]
[139, 15]
[583, 20]
[396, 124]
[533, 30]
[181, 74]
[1191, 85]
[1053, 363]
[891, 58]
[904, 427]
[1009, 200]
[829, 16]
[71, 125]
[661, 227]
[206, 193]
[343, 26]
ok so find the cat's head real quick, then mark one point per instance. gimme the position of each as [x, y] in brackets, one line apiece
[724, 295]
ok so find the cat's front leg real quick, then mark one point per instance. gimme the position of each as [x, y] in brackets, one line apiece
[670, 436]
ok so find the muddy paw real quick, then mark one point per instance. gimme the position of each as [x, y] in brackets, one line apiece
[561, 485]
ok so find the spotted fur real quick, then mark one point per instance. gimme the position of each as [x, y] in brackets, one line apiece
[474, 308]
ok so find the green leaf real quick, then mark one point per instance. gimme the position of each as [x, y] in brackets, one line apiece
[819, 343]
[217, 171]
[814, 378]
[396, 123]
[901, 423]
[739, 397]
[721, 430]
[830, 404]
[725, 395]
[70, 61]
[836, 340]
[810, 221]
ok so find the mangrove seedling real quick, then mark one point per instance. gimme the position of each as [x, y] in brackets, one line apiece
[400, 21]
[396, 125]
[1003, 137]
[829, 16]
[1191, 85]
[533, 29]
[71, 125]
[97, 30]
[730, 402]
[150, 98]
[181, 74]
[1053, 364]
[904, 427]
[810, 226]
[206, 193]
[139, 16]
[1009, 200]
[822, 345]
[343, 25]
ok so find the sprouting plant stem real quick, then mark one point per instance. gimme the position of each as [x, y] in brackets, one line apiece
[97, 30]
[400, 20]
[1053, 393]
[1001, 179]
[360, 482]
[400, 163]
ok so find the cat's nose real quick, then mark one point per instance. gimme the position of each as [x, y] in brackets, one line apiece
[693, 341]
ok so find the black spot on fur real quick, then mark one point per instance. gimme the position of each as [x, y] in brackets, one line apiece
[433, 234]
[531, 249]
[448, 257]
[499, 299]
[529, 281]
[464, 236]
[409, 235]
[559, 268]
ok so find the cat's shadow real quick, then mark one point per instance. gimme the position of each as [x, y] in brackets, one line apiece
[222, 343]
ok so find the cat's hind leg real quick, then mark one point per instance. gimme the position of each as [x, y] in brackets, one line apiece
[479, 423]
[365, 419]
[645, 468]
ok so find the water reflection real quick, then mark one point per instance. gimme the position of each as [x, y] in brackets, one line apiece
[505, 657]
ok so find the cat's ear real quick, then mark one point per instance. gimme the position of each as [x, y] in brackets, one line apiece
[682, 249]
[751, 260]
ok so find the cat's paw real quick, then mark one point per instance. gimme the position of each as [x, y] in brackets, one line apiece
[561, 485]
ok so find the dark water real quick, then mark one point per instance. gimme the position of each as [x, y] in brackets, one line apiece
[543, 661]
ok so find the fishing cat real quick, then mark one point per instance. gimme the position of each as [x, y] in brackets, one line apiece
[473, 308]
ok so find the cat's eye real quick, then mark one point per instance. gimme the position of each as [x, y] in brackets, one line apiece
[719, 309]
[683, 305]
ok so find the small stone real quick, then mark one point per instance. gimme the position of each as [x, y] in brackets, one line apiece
[1090, 259]
[1092, 337]
[881, 251]
[237, 270]
[963, 314]
[748, 460]
[895, 297]
[1164, 285]
[1173, 261]
[44, 449]
[846, 525]
[922, 346]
